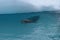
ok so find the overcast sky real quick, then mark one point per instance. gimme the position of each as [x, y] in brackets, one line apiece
[18, 6]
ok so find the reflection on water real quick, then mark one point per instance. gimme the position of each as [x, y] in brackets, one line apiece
[46, 28]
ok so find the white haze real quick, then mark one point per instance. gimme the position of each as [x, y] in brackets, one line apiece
[19, 6]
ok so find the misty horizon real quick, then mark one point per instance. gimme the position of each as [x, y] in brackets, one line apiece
[21, 6]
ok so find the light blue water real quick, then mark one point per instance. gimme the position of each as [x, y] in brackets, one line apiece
[46, 28]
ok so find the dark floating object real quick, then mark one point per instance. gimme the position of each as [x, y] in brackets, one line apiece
[31, 19]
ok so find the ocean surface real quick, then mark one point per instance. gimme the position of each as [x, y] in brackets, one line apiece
[46, 28]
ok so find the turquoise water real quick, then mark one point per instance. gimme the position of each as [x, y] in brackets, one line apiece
[46, 28]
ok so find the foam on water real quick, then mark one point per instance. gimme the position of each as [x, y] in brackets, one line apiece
[46, 28]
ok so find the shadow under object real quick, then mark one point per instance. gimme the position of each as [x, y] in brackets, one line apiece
[31, 19]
